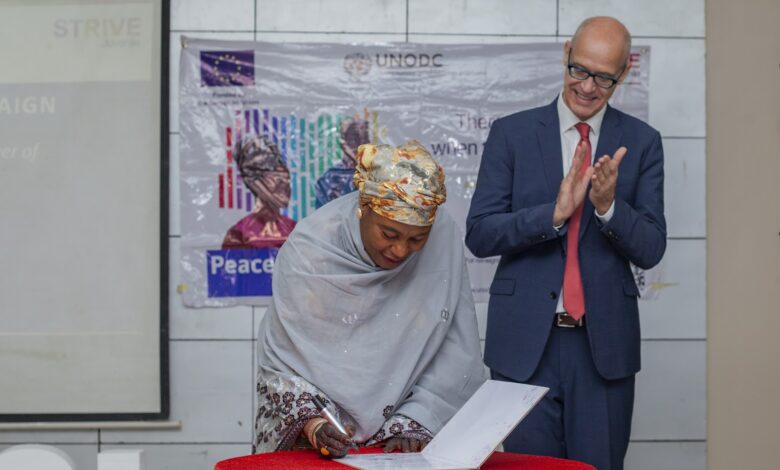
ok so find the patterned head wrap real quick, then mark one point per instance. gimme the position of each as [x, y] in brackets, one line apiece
[263, 170]
[354, 133]
[404, 184]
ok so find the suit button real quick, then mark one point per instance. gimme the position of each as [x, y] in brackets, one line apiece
[553, 295]
[543, 237]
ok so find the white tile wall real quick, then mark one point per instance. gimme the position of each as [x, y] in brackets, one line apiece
[666, 455]
[685, 176]
[259, 313]
[670, 392]
[478, 39]
[675, 18]
[678, 310]
[677, 86]
[211, 389]
[356, 16]
[208, 15]
[519, 17]
[343, 38]
[212, 350]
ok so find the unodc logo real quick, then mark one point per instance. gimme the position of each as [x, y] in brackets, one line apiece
[357, 64]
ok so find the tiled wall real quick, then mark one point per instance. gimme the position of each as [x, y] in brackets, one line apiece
[211, 350]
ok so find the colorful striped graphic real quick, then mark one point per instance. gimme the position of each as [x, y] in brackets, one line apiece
[221, 190]
[309, 147]
[239, 186]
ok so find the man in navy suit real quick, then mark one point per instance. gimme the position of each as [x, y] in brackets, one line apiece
[567, 222]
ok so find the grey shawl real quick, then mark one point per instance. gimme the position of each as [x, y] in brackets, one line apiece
[396, 350]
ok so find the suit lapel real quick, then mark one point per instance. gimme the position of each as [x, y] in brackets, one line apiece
[548, 134]
[608, 143]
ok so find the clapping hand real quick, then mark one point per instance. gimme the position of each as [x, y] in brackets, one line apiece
[573, 187]
[604, 179]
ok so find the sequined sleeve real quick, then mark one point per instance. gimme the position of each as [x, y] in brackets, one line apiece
[399, 425]
[284, 405]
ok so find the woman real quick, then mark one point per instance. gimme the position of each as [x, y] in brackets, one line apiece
[372, 311]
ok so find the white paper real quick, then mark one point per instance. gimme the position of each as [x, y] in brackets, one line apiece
[469, 438]
[410, 461]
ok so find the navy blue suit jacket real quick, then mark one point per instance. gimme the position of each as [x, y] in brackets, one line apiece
[511, 215]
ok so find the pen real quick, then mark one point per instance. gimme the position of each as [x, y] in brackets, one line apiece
[328, 414]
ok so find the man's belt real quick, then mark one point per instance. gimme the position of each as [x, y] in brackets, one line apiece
[564, 320]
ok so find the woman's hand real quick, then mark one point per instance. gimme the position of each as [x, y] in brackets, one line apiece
[326, 439]
[404, 444]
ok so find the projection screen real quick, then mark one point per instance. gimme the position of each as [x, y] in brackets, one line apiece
[83, 198]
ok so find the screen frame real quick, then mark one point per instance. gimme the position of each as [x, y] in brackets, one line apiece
[164, 186]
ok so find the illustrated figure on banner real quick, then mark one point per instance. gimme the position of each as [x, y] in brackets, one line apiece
[266, 175]
[337, 181]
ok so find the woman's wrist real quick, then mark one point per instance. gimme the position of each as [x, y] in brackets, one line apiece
[311, 427]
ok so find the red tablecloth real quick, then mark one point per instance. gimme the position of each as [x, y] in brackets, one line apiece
[309, 459]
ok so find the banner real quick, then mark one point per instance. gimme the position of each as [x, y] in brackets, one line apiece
[268, 133]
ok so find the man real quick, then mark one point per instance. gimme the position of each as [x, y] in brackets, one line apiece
[567, 222]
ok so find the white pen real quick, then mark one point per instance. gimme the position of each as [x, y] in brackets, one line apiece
[328, 414]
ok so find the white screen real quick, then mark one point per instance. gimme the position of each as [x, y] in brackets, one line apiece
[80, 159]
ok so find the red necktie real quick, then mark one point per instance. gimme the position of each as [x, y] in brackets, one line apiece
[573, 295]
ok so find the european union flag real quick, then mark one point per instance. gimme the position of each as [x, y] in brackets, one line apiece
[227, 68]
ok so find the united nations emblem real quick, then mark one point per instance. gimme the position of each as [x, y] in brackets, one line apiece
[357, 64]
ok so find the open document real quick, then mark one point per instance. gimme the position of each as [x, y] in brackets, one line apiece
[469, 438]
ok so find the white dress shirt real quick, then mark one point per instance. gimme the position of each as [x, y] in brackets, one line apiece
[570, 137]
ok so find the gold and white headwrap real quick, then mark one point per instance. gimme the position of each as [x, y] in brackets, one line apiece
[402, 183]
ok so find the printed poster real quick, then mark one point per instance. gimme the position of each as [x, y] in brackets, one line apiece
[268, 133]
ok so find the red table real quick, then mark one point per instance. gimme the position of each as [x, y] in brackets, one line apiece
[309, 459]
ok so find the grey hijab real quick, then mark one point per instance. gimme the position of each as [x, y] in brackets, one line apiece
[376, 342]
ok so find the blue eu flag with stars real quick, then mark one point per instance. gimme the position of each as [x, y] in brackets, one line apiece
[227, 68]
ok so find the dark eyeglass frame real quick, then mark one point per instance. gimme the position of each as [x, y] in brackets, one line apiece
[607, 81]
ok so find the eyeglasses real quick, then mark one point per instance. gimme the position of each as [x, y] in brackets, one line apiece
[601, 80]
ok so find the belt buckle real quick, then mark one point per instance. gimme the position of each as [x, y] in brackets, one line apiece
[560, 321]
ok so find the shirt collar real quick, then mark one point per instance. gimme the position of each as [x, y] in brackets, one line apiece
[567, 118]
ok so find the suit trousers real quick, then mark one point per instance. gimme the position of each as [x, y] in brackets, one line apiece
[584, 416]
